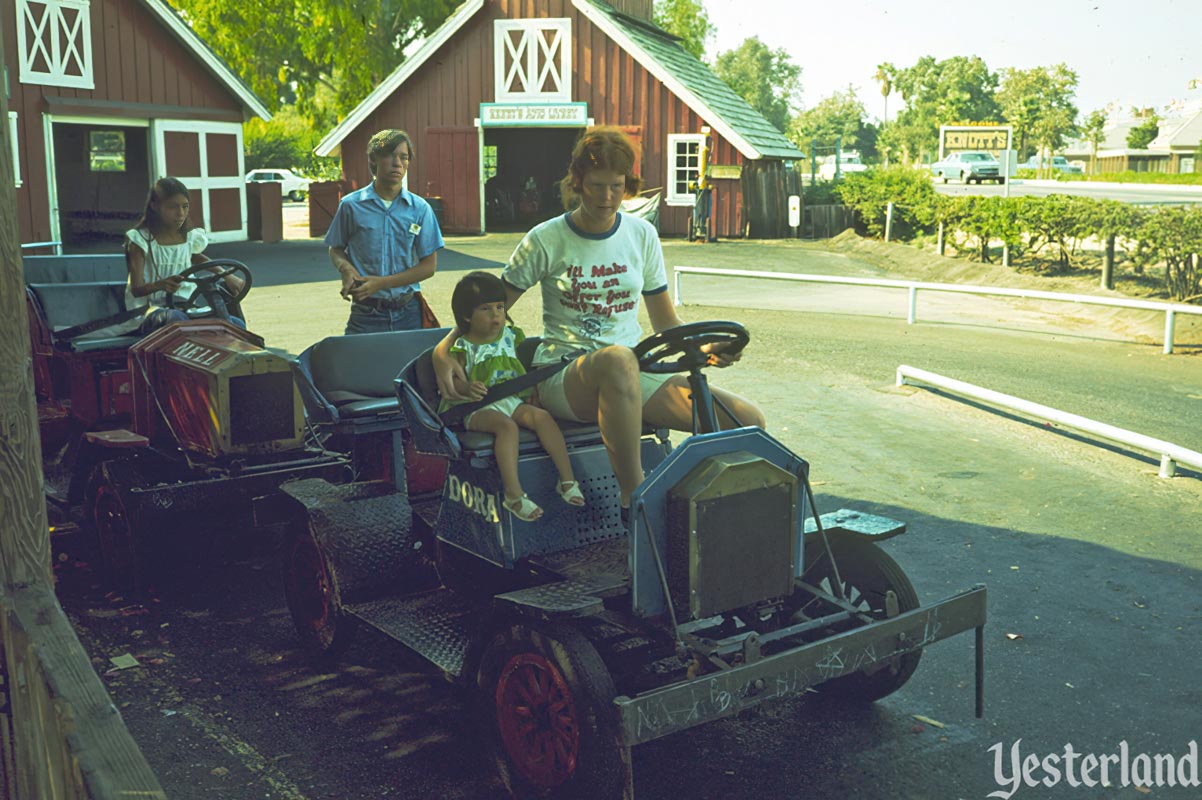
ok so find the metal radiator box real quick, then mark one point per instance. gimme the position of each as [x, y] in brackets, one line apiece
[731, 534]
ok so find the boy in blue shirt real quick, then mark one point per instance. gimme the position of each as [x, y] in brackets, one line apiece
[384, 240]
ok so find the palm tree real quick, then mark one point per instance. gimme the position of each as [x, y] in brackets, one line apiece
[885, 73]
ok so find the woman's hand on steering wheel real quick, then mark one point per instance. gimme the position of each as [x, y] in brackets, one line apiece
[721, 354]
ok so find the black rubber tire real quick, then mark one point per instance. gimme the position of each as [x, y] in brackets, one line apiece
[590, 761]
[296, 195]
[106, 510]
[867, 573]
[313, 594]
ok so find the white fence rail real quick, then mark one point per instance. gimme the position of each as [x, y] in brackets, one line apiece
[1170, 454]
[1170, 310]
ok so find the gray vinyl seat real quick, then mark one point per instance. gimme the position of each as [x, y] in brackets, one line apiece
[65, 305]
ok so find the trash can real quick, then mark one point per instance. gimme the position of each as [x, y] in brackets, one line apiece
[264, 212]
[436, 207]
[323, 204]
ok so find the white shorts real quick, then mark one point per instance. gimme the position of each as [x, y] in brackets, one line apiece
[506, 405]
[552, 396]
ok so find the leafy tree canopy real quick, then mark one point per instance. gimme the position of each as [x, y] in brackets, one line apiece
[767, 79]
[686, 19]
[1038, 102]
[292, 50]
[957, 89]
[841, 114]
[1142, 134]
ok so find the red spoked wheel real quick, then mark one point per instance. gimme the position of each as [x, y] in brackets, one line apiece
[314, 601]
[557, 732]
[537, 720]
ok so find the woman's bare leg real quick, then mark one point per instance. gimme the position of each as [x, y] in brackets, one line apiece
[604, 386]
[671, 407]
[542, 423]
[505, 431]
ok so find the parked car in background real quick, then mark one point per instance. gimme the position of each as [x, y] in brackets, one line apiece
[1058, 163]
[970, 166]
[847, 162]
[292, 186]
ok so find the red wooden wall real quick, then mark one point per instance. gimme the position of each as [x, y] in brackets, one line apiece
[447, 90]
[140, 71]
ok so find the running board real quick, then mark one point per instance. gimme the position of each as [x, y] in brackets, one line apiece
[440, 626]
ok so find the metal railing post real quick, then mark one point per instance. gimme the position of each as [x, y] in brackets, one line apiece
[1170, 321]
[677, 300]
[912, 316]
[888, 221]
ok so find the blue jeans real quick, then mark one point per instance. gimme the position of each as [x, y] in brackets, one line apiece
[162, 317]
[364, 319]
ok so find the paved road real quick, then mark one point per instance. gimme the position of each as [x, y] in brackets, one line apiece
[1141, 194]
[1094, 568]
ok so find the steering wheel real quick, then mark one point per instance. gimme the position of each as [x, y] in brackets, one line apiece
[686, 341]
[209, 284]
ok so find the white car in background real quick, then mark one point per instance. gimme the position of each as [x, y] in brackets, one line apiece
[970, 166]
[292, 186]
[848, 162]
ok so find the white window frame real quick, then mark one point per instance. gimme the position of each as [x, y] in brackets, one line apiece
[671, 196]
[48, 28]
[12, 140]
[533, 60]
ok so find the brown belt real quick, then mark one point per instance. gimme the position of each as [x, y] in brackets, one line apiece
[386, 303]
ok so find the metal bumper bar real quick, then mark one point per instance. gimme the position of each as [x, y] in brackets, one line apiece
[674, 708]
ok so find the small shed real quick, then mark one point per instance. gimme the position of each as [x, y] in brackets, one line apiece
[106, 96]
[497, 96]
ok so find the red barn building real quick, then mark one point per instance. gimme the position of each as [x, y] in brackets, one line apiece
[497, 96]
[106, 96]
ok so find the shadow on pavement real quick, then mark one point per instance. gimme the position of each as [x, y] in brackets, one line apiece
[1085, 644]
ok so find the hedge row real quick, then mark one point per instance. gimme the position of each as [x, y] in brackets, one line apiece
[1167, 235]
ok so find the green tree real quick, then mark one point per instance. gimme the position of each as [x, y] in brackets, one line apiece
[687, 20]
[309, 49]
[767, 79]
[1038, 102]
[1093, 131]
[957, 89]
[1142, 134]
[841, 114]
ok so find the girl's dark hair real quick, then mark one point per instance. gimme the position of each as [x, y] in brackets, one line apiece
[475, 289]
[601, 147]
[162, 189]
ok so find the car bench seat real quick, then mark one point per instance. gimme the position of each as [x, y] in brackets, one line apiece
[420, 380]
[348, 380]
[64, 305]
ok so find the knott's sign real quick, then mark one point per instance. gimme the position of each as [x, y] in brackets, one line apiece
[978, 136]
[534, 115]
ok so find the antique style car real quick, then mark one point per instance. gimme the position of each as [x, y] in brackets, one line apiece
[588, 631]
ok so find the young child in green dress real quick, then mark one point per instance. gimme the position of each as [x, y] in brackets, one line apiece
[487, 349]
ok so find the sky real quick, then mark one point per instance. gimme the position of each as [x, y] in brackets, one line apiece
[1130, 53]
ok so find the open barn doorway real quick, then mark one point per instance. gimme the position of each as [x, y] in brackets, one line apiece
[523, 167]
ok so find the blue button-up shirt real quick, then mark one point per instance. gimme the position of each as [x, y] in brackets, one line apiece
[385, 240]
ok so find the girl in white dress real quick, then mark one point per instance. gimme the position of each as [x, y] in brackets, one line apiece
[161, 246]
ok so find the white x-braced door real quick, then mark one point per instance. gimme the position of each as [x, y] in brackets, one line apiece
[207, 157]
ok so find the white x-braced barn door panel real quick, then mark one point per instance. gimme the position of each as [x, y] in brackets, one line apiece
[207, 157]
[54, 42]
[532, 59]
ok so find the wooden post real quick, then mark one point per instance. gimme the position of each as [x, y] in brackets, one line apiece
[1108, 264]
[25, 545]
[60, 735]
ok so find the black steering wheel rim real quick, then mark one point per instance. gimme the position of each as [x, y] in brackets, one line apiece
[686, 342]
[207, 281]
